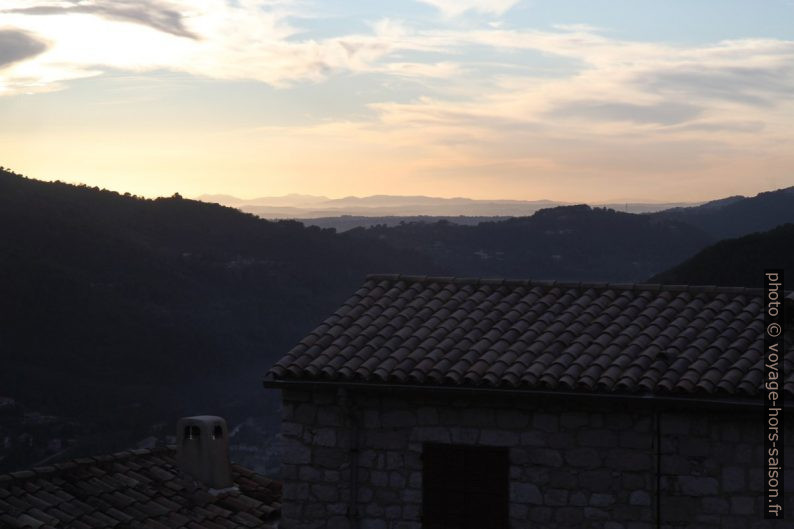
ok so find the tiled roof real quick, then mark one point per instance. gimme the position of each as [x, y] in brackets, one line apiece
[536, 335]
[137, 489]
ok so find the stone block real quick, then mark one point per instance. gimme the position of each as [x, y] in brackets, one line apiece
[325, 437]
[295, 492]
[466, 436]
[295, 395]
[295, 452]
[563, 479]
[373, 523]
[583, 457]
[630, 439]
[742, 505]
[561, 440]
[694, 447]
[431, 434]
[478, 417]
[398, 419]
[545, 457]
[569, 515]
[427, 416]
[386, 440]
[374, 510]
[412, 496]
[412, 512]
[309, 473]
[499, 438]
[678, 509]
[578, 498]
[639, 497]
[331, 458]
[365, 494]
[674, 424]
[573, 420]
[393, 512]
[325, 493]
[305, 412]
[370, 419]
[733, 479]
[600, 499]
[594, 513]
[534, 438]
[327, 416]
[397, 480]
[511, 419]
[525, 493]
[338, 522]
[519, 511]
[546, 422]
[540, 514]
[698, 485]
[596, 480]
[555, 497]
[629, 460]
[715, 505]
[379, 478]
[675, 465]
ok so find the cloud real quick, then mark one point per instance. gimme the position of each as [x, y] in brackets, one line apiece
[18, 45]
[453, 8]
[664, 113]
[152, 13]
[615, 106]
[761, 85]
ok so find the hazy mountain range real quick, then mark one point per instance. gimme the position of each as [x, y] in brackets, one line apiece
[383, 206]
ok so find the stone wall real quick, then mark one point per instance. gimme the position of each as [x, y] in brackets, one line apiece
[572, 465]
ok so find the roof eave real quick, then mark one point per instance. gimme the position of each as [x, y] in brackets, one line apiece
[645, 399]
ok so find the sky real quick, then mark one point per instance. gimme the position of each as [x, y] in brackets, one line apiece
[569, 100]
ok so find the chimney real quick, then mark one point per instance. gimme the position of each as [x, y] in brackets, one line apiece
[203, 450]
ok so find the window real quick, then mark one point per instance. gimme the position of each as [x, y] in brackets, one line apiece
[464, 487]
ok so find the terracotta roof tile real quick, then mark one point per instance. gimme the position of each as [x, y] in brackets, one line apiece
[103, 492]
[500, 334]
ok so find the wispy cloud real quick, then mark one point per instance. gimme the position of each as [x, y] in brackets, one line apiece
[457, 7]
[16, 45]
[156, 14]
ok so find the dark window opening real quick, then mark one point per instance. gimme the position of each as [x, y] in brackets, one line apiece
[464, 487]
[217, 432]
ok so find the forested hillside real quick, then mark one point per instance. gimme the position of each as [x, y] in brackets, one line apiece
[738, 262]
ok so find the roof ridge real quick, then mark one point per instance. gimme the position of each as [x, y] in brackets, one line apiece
[707, 289]
[46, 470]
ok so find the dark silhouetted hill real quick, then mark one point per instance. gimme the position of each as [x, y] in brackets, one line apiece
[737, 216]
[738, 262]
[566, 243]
[117, 309]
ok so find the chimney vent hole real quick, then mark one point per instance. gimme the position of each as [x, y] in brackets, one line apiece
[192, 432]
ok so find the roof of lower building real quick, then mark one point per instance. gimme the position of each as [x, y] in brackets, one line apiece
[136, 489]
[635, 339]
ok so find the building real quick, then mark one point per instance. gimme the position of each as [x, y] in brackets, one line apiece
[192, 485]
[462, 403]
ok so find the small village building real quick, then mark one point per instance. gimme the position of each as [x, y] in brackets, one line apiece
[444, 403]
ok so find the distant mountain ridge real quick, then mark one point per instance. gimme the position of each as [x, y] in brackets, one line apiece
[736, 216]
[316, 207]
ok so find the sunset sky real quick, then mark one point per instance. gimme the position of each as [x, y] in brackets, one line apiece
[590, 100]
